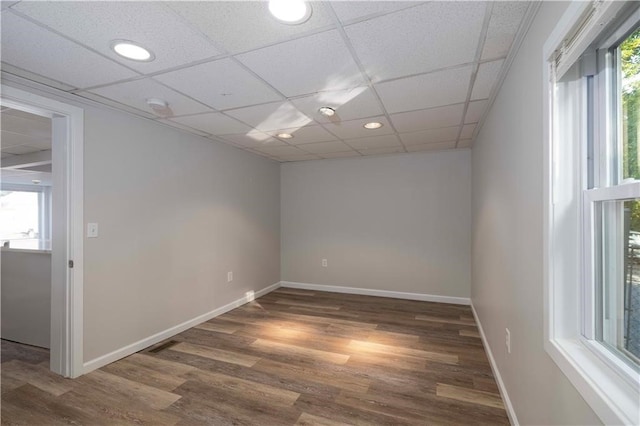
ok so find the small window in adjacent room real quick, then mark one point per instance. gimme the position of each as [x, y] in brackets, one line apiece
[25, 218]
[592, 180]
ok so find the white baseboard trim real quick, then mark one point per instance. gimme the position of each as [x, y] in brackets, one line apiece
[496, 373]
[158, 337]
[378, 293]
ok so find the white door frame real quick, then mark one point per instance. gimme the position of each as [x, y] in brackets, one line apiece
[68, 223]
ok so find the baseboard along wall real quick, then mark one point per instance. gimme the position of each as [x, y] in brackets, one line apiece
[496, 373]
[165, 334]
[378, 293]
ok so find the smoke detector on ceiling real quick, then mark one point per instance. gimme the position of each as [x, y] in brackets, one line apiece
[160, 107]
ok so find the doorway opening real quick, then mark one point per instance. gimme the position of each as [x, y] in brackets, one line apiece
[58, 221]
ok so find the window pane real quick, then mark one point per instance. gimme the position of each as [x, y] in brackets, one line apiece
[19, 219]
[619, 251]
[630, 97]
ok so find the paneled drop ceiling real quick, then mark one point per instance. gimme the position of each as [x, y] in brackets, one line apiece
[231, 72]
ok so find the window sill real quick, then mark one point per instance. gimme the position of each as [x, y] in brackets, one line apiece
[612, 397]
[18, 250]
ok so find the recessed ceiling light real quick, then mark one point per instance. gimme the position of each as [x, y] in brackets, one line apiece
[284, 135]
[36, 181]
[327, 111]
[292, 12]
[131, 50]
[373, 125]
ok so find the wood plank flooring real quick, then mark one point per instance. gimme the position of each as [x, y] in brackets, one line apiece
[292, 357]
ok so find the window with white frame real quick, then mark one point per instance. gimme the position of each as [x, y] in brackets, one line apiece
[25, 217]
[592, 228]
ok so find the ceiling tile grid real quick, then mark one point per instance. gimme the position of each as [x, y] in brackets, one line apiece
[426, 71]
[96, 23]
[442, 30]
[221, 84]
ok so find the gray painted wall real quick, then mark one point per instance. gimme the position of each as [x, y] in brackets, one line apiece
[176, 212]
[26, 297]
[398, 223]
[507, 239]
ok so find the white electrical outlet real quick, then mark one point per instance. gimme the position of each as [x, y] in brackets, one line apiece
[507, 340]
[324, 263]
[229, 276]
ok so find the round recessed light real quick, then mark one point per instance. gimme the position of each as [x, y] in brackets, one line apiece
[284, 135]
[373, 125]
[36, 181]
[327, 111]
[131, 50]
[292, 12]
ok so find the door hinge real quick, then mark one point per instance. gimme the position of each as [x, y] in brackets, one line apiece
[71, 264]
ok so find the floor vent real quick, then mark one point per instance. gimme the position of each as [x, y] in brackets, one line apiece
[163, 346]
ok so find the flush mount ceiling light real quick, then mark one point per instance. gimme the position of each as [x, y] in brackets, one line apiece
[327, 111]
[373, 125]
[292, 12]
[131, 50]
[284, 135]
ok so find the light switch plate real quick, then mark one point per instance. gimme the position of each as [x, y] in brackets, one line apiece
[92, 230]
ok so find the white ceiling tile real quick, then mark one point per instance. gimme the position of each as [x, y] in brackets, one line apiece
[302, 157]
[444, 134]
[464, 143]
[425, 91]
[280, 151]
[135, 94]
[384, 141]
[475, 111]
[151, 24]
[349, 104]
[354, 128]
[345, 154]
[114, 104]
[4, 4]
[325, 147]
[213, 123]
[241, 26]
[446, 33]
[432, 146]
[30, 125]
[274, 116]
[38, 78]
[506, 18]
[9, 139]
[379, 151]
[221, 84]
[10, 112]
[467, 131]
[26, 45]
[428, 118]
[486, 79]
[306, 134]
[348, 11]
[321, 62]
[252, 139]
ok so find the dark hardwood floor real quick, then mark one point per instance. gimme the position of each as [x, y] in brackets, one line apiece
[291, 357]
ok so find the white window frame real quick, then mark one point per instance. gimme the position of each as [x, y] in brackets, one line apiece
[610, 386]
[44, 206]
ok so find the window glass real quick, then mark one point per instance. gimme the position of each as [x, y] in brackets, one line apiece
[619, 248]
[20, 219]
[630, 99]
